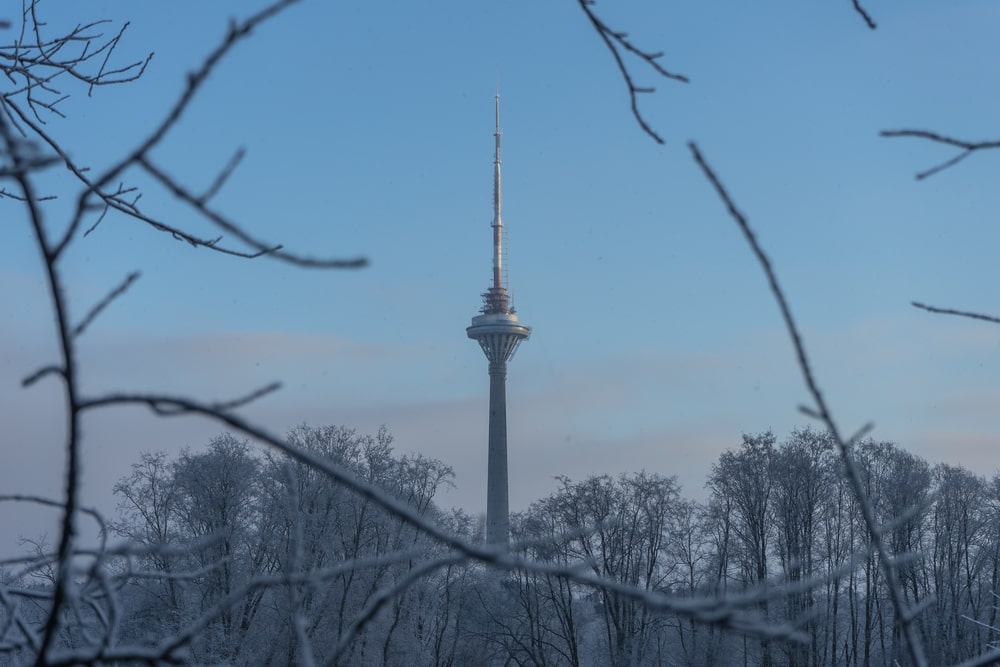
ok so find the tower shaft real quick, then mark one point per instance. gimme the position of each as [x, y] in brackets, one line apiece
[497, 491]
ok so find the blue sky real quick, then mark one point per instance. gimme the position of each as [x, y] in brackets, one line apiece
[656, 343]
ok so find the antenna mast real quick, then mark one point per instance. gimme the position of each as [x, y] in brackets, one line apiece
[497, 223]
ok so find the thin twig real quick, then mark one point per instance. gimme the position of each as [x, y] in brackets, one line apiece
[105, 302]
[968, 147]
[864, 14]
[248, 398]
[960, 313]
[616, 40]
[40, 373]
[231, 227]
[237, 32]
[222, 176]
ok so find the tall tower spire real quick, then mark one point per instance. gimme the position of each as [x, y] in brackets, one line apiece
[498, 332]
[496, 299]
[497, 222]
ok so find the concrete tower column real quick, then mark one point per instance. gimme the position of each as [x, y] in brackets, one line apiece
[497, 493]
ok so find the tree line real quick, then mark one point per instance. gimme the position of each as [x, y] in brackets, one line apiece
[781, 524]
[252, 559]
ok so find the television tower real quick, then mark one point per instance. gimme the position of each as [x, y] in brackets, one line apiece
[498, 332]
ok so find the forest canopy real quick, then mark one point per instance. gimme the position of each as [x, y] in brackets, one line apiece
[251, 548]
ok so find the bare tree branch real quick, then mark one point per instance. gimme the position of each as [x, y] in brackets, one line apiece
[217, 218]
[236, 33]
[864, 14]
[105, 302]
[38, 60]
[116, 199]
[248, 398]
[968, 147]
[223, 175]
[40, 373]
[960, 313]
[616, 42]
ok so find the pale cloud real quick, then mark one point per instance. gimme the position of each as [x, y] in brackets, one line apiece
[220, 365]
[670, 411]
[972, 449]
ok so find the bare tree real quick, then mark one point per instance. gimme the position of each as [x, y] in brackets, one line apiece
[745, 478]
[957, 558]
[802, 475]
